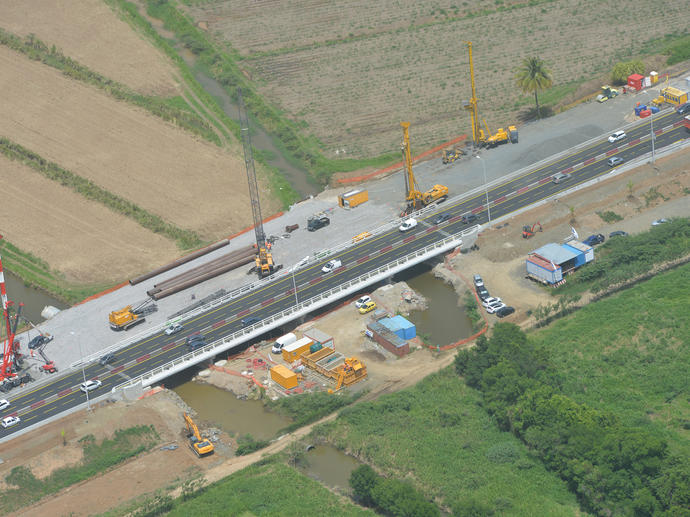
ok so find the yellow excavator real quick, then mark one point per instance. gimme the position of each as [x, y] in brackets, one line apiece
[415, 198]
[200, 446]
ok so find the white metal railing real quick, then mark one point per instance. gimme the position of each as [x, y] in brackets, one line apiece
[304, 307]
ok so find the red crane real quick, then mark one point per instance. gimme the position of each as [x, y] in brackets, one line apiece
[8, 346]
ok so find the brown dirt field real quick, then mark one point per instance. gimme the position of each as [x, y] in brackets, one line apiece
[123, 149]
[53, 222]
[96, 38]
[354, 71]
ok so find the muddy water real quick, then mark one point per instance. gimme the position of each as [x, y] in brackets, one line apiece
[33, 299]
[234, 416]
[329, 466]
[445, 321]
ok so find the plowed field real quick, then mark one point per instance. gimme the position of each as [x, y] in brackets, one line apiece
[82, 239]
[125, 150]
[354, 70]
[91, 33]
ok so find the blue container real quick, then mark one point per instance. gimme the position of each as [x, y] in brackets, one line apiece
[654, 109]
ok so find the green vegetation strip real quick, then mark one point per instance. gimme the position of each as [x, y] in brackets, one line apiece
[170, 110]
[438, 436]
[622, 258]
[310, 407]
[36, 273]
[25, 489]
[185, 239]
[223, 66]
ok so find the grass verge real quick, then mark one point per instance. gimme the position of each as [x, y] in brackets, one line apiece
[25, 489]
[185, 239]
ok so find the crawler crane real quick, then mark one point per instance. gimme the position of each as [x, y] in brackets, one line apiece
[415, 198]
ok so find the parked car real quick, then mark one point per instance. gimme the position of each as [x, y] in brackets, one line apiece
[90, 385]
[362, 301]
[659, 221]
[316, 222]
[174, 328]
[618, 135]
[367, 307]
[9, 421]
[478, 282]
[560, 178]
[593, 240]
[441, 218]
[331, 265]
[505, 311]
[107, 358]
[494, 307]
[469, 218]
[483, 293]
[39, 341]
[683, 108]
[490, 300]
[408, 224]
[617, 233]
[4, 404]
[615, 160]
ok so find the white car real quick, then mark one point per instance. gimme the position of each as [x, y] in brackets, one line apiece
[491, 301]
[618, 135]
[9, 421]
[494, 307]
[172, 329]
[331, 265]
[4, 404]
[408, 224]
[478, 282]
[659, 221]
[90, 385]
[362, 301]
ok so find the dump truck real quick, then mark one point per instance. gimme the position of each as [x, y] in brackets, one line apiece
[131, 315]
[200, 446]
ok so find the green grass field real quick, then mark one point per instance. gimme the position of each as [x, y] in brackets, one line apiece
[437, 435]
[630, 354]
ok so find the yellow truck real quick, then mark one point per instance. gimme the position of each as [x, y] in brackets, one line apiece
[674, 96]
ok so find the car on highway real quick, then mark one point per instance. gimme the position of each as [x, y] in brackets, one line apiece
[495, 306]
[593, 240]
[659, 221]
[441, 218]
[39, 341]
[195, 337]
[478, 282]
[617, 233]
[173, 329]
[469, 218]
[683, 108]
[505, 311]
[90, 386]
[615, 160]
[367, 307]
[9, 421]
[107, 358]
[560, 178]
[331, 265]
[250, 320]
[362, 301]
[408, 224]
[490, 300]
[618, 135]
[4, 404]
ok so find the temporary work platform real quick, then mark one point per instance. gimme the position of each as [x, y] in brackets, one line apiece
[319, 336]
[334, 365]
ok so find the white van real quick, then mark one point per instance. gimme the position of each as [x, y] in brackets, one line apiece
[282, 342]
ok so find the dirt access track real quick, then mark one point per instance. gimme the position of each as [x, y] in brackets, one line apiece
[500, 261]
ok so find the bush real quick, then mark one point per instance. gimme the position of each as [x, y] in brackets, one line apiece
[621, 71]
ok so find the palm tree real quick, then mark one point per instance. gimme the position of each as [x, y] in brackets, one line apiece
[533, 76]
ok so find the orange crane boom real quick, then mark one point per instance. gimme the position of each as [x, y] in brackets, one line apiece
[200, 446]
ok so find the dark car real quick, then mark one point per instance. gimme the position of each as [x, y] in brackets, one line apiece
[469, 218]
[441, 218]
[196, 341]
[107, 358]
[250, 320]
[594, 239]
[39, 341]
[683, 108]
[483, 293]
[316, 222]
[617, 233]
[504, 311]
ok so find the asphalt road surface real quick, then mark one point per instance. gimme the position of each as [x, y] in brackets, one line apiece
[63, 393]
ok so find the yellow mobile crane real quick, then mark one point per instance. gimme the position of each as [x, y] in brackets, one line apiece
[200, 446]
[417, 199]
[264, 259]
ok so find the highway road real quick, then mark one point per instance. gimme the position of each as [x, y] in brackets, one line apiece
[63, 393]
